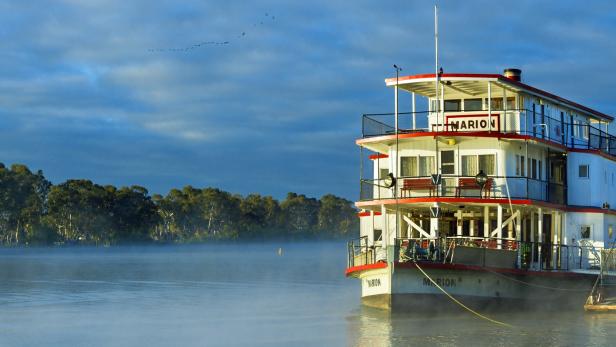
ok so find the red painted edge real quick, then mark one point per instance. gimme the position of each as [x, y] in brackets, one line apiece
[506, 80]
[452, 200]
[445, 200]
[367, 214]
[360, 268]
[463, 267]
[494, 134]
[378, 156]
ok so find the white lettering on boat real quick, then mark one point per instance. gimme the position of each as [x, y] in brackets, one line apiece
[443, 282]
[375, 282]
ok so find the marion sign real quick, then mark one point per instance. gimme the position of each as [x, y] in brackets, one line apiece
[479, 122]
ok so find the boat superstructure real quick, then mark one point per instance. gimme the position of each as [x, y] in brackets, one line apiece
[499, 191]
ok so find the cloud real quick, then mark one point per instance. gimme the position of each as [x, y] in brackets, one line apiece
[275, 110]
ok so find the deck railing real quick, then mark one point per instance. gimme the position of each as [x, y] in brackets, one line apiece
[518, 121]
[500, 187]
[477, 251]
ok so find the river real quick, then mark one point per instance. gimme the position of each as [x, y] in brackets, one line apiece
[234, 295]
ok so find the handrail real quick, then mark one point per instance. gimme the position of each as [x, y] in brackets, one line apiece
[525, 122]
[520, 187]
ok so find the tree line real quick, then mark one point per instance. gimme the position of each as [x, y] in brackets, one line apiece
[78, 211]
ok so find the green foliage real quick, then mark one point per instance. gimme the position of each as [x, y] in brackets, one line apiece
[33, 211]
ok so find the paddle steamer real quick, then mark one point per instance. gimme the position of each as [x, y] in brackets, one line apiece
[499, 192]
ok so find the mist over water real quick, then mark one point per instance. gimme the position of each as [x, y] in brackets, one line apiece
[234, 295]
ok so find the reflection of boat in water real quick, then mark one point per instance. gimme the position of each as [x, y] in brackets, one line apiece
[504, 195]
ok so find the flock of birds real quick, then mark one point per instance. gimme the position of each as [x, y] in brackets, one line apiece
[209, 43]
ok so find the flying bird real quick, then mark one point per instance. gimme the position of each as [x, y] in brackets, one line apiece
[205, 43]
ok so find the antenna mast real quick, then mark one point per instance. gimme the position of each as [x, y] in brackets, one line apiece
[436, 74]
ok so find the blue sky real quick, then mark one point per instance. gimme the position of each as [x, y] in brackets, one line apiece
[82, 94]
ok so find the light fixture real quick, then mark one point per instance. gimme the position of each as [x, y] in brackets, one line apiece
[390, 180]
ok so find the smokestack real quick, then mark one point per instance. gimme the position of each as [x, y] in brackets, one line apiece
[514, 74]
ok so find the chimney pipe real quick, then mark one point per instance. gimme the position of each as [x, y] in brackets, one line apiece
[514, 74]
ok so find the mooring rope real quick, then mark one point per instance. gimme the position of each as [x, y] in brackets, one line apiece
[459, 303]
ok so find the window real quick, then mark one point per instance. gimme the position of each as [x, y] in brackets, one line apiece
[610, 231]
[452, 105]
[377, 235]
[383, 173]
[447, 163]
[426, 166]
[539, 170]
[576, 128]
[408, 166]
[583, 171]
[469, 165]
[533, 168]
[522, 168]
[585, 232]
[517, 165]
[584, 131]
[487, 163]
[473, 104]
[472, 164]
[497, 104]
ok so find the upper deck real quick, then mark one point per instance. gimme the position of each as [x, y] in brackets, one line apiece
[488, 105]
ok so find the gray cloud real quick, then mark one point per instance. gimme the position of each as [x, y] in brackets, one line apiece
[275, 110]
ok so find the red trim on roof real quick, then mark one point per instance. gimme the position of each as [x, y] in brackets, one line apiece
[378, 156]
[485, 134]
[593, 151]
[556, 97]
[368, 214]
[506, 80]
[360, 268]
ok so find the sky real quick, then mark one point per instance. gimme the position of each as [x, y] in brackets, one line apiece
[270, 96]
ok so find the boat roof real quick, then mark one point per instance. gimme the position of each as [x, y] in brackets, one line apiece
[469, 85]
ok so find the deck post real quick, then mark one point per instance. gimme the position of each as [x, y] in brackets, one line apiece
[489, 106]
[433, 228]
[539, 234]
[459, 223]
[486, 222]
[518, 237]
[499, 225]
[532, 239]
[413, 110]
[555, 228]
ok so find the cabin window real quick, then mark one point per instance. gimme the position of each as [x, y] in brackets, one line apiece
[472, 164]
[408, 166]
[497, 104]
[377, 235]
[426, 165]
[584, 131]
[539, 170]
[447, 163]
[583, 171]
[517, 165]
[473, 104]
[585, 232]
[522, 168]
[452, 105]
[533, 169]
[487, 163]
[576, 128]
[383, 173]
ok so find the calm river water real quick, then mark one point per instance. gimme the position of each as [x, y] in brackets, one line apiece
[234, 295]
